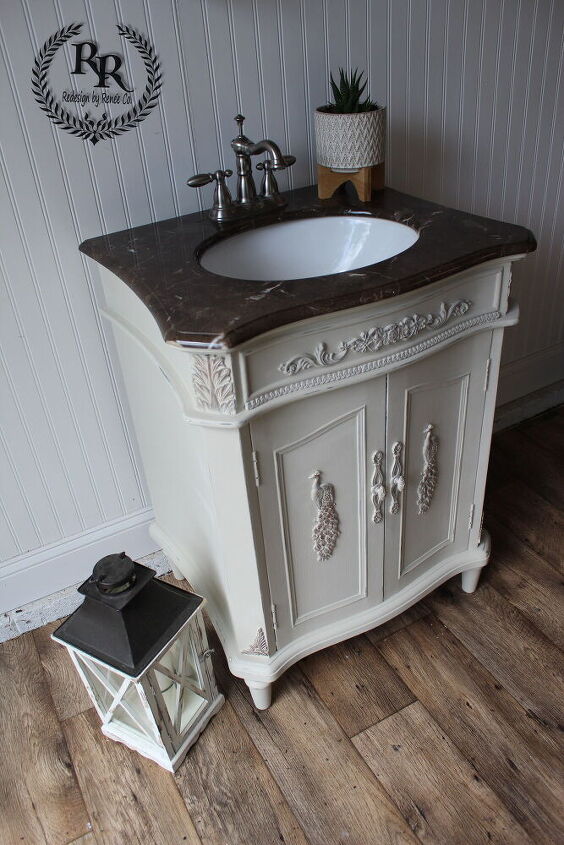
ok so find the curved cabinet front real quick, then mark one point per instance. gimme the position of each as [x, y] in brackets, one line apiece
[323, 553]
[435, 409]
[366, 489]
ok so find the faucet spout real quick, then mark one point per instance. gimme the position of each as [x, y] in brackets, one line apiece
[264, 146]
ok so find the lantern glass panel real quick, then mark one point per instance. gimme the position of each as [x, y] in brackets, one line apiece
[131, 713]
[181, 659]
[190, 705]
[181, 702]
[103, 682]
[180, 680]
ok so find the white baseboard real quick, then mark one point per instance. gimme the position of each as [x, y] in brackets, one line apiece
[528, 375]
[60, 604]
[32, 576]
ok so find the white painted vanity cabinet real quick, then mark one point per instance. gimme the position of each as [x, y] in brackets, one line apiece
[395, 523]
[322, 477]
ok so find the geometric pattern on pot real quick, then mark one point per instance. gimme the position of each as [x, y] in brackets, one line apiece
[350, 141]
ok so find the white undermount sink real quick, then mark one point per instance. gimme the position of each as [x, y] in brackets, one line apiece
[302, 249]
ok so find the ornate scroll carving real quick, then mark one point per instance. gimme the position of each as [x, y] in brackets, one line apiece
[397, 483]
[213, 384]
[378, 488]
[430, 472]
[336, 376]
[258, 645]
[376, 338]
[326, 524]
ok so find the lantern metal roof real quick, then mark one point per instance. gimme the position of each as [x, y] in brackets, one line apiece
[127, 617]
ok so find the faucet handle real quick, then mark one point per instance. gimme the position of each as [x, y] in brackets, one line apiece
[201, 179]
[221, 197]
[269, 186]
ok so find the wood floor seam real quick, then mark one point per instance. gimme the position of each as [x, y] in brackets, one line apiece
[381, 721]
[507, 790]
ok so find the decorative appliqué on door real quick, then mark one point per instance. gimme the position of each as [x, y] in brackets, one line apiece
[430, 472]
[259, 645]
[326, 525]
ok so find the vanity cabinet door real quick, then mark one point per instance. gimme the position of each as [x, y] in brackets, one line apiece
[323, 550]
[434, 423]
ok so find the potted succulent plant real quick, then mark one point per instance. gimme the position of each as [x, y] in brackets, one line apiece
[349, 132]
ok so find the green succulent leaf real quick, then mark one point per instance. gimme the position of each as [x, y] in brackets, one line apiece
[348, 91]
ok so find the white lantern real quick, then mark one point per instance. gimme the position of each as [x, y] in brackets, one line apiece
[141, 649]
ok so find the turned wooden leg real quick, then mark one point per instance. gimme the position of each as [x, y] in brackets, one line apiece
[261, 693]
[470, 579]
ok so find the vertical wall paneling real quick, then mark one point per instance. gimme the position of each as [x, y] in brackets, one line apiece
[377, 34]
[432, 164]
[315, 68]
[296, 140]
[338, 46]
[546, 210]
[475, 118]
[357, 43]
[415, 103]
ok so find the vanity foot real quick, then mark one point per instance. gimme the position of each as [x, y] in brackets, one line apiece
[470, 579]
[261, 693]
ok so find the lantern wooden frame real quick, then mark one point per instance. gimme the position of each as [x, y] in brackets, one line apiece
[160, 724]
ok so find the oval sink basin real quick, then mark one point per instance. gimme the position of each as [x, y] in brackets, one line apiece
[302, 249]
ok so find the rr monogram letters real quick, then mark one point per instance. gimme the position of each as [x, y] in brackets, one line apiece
[99, 65]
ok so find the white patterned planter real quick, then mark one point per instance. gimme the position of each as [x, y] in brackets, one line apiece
[348, 141]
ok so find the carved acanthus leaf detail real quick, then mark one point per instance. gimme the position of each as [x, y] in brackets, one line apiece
[213, 384]
[259, 645]
[371, 340]
[430, 473]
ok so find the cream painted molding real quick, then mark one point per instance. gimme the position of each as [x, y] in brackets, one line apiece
[369, 366]
[326, 524]
[371, 340]
[430, 472]
[213, 384]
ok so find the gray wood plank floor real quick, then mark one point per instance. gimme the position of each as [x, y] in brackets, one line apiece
[442, 726]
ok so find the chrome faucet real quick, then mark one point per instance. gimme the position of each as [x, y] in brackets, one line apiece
[247, 202]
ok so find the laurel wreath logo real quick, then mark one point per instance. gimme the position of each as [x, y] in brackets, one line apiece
[86, 127]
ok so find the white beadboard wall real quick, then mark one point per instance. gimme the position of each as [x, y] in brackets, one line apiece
[475, 120]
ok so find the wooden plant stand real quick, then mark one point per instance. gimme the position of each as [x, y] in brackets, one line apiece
[365, 179]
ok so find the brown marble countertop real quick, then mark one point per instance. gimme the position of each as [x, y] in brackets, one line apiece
[192, 306]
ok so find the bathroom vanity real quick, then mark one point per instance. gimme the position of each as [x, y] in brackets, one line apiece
[315, 448]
